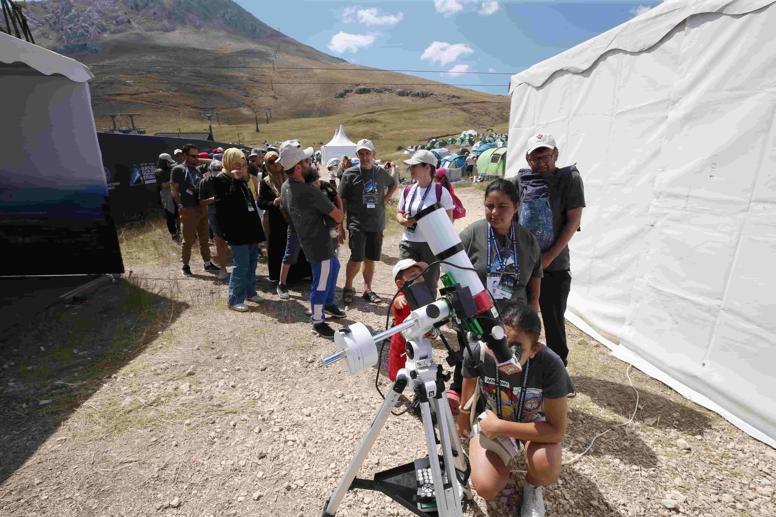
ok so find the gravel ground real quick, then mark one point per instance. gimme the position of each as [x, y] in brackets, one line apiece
[151, 398]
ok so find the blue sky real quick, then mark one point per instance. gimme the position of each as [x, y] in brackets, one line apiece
[446, 36]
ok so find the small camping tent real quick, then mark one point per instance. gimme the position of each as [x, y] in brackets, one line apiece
[491, 163]
[339, 146]
[670, 118]
[454, 164]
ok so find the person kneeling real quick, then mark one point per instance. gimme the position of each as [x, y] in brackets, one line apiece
[529, 407]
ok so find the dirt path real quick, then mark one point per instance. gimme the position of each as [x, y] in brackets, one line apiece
[150, 398]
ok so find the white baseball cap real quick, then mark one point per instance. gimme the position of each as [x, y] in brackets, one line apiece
[291, 153]
[539, 141]
[365, 144]
[177, 151]
[402, 265]
[166, 157]
[423, 156]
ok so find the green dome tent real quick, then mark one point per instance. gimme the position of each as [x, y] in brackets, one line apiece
[492, 162]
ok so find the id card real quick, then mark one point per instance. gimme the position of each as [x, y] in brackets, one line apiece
[370, 199]
[501, 286]
[189, 192]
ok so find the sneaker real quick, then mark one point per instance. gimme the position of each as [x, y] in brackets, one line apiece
[334, 311]
[256, 299]
[533, 501]
[323, 329]
[186, 270]
[223, 275]
[211, 268]
[282, 292]
[239, 307]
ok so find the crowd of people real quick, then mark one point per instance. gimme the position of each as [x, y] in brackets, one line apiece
[519, 248]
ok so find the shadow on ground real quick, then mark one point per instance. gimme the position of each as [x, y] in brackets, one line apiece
[617, 443]
[54, 363]
[655, 410]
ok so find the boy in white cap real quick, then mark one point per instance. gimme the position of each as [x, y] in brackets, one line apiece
[406, 271]
[307, 208]
[364, 189]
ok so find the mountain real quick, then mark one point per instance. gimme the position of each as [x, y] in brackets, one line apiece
[170, 59]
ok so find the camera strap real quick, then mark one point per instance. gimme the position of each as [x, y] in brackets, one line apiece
[521, 400]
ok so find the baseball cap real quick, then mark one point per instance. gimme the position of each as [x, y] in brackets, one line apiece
[177, 151]
[291, 153]
[203, 154]
[271, 156]
[422, 156]
[365, 144]
[402, 265]
[332, 163]
[539, 141]
[216, 166]
[166, 157]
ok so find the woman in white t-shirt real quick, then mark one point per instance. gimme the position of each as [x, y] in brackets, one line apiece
[422, 193]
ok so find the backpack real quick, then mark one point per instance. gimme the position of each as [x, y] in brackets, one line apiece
[459, 211]
[536, 205]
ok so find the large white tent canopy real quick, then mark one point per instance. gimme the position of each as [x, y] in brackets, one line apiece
[339, 146]
[670, 118]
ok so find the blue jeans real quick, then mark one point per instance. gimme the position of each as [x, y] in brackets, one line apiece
[323, 286]
[242, 283]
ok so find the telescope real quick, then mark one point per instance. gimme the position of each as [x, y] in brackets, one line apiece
[468, 307]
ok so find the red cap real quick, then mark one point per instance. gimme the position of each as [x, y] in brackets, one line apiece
[203, 155]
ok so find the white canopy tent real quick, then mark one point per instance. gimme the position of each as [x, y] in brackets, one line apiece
[339, 146]
[52, 166]
[670, 118]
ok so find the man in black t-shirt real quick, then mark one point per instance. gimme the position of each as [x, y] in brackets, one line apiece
[364, 190]
[551, 203]
[184, 184]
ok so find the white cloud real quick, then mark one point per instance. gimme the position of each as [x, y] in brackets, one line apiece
[489, 7]
[373, 17]
[640, 9]
[458, 70]
[344, 42]
[448, 7]
[443, 53]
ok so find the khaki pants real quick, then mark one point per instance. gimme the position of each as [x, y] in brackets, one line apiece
[223, 253]
[194, 227]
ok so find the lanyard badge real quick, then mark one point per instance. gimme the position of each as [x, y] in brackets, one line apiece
[502, 283]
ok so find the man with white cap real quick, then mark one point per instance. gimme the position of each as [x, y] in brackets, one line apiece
[162, 173]
[178, 155]
[364, 189]
[307, 208]
[551, 203]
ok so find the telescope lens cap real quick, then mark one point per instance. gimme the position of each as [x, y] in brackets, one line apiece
[432, 311]
[497, 332]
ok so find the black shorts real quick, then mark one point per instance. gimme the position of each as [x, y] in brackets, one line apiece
[365, 245]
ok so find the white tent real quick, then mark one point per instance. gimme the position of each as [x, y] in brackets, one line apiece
[670, 119]
[339, 146]
[51, 163]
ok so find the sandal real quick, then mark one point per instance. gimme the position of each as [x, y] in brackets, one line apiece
[347, 295]
[371, 296]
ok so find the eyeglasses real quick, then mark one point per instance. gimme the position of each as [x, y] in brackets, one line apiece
[545, 158]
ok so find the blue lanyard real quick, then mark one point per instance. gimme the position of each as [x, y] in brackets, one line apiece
[422, 199]
[492, 243]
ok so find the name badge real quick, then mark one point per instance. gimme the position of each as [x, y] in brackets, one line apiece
[501, 286]
[189, 192]
[370, 199]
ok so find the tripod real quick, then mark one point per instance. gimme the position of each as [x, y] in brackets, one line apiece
[427, 381]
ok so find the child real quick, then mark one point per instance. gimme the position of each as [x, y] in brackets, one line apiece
[406, 271]
[532, 408]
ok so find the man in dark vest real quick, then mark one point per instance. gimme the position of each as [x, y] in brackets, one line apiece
[551, 203]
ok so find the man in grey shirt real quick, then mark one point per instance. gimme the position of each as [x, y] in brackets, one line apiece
[551, 203]
[307, 208]
[364, 190]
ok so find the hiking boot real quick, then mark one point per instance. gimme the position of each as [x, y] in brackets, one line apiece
[211, 268]
[282, 292]
[186, 270]
[533, 501]
[323, 329]
[334, 311]
[239, 307]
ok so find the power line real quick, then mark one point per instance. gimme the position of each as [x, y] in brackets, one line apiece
[354, 69]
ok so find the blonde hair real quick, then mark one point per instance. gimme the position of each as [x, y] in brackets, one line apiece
[231, 159]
